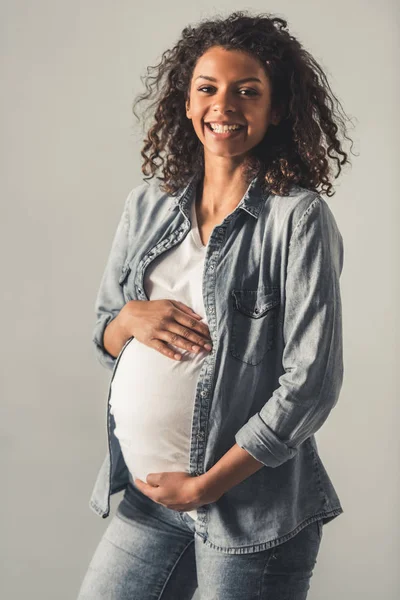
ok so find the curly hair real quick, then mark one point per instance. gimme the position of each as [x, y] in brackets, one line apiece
[293, 152]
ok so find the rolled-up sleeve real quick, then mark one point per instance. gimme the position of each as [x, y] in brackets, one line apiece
[312, 356]
[110, 298]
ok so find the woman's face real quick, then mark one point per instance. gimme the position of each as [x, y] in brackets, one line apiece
[229, 86]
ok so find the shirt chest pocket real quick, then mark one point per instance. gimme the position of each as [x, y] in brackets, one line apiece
[254, 323]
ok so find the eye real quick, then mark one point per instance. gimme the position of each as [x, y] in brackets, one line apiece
[206, 87]
[250, 91]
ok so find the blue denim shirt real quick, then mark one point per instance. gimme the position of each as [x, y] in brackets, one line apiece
[272, 300]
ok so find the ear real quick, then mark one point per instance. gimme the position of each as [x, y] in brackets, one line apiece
[275, 118]
[187, 107]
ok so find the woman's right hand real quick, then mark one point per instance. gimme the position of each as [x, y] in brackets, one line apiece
[158, 323]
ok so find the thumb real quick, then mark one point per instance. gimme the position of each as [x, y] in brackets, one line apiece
[153, 479]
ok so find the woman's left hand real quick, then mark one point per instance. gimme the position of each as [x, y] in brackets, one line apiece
[177, 490]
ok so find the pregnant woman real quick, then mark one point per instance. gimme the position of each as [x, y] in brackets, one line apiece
[219, 314]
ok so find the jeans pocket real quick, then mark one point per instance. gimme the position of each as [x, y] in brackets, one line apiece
[254, 323]
[134, 500]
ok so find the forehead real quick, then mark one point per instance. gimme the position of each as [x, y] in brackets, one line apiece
[220, 62]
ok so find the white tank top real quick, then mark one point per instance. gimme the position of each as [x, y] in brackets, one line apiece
[152, 395]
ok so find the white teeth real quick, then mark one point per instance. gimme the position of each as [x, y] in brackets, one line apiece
[224, 128]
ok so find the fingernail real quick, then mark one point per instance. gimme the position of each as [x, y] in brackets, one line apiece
[208, 346]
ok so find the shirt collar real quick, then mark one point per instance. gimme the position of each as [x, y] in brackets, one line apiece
[252, 200]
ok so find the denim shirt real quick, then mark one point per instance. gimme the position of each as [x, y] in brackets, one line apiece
[272, 300]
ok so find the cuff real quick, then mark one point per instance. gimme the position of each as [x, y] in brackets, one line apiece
[262, 443]
[103, 356]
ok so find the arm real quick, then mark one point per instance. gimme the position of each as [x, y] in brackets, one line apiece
[312, 357]
[110, 299]
[313, 353]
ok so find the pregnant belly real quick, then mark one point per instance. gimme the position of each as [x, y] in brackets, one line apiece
[152, 399]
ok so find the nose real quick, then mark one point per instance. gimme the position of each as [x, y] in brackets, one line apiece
[224, 103]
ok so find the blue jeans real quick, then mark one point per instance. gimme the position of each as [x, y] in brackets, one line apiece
[149, 552]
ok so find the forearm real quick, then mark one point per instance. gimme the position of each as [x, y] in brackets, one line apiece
[116, 334]
[235, 466]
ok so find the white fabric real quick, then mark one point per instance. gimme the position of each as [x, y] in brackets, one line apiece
[152, 395]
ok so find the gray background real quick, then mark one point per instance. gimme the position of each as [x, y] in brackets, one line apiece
[69, 157]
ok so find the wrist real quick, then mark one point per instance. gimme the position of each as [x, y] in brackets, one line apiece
[124, 320]
[116, 333]
[208, 488]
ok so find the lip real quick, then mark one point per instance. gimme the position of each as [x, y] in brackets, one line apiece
[224, 123]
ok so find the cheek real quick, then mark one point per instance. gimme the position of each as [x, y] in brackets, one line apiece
[198, 127]
[258, 127]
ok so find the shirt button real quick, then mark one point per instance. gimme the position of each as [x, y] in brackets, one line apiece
[211, 268]
[203, 393]
[211, 309]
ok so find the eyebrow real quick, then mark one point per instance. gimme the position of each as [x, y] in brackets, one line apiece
[238, 81]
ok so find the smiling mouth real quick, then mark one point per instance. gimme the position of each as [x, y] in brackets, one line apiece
[225, 134]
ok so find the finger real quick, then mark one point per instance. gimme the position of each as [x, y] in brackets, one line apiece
[144, 487]
[140, 485]
[186, 319]
[185, 308]
[163, 348]
[184, 337]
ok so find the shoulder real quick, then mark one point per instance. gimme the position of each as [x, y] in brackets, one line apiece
[314, 229]
[301, 207]
[147, 207]
[147, 196]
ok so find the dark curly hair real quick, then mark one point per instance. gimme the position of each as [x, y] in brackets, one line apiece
[294, 152]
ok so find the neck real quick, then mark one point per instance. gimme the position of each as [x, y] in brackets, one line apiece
[221, 188]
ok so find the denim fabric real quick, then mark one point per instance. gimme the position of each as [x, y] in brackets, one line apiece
[149, 551]
[272, 299]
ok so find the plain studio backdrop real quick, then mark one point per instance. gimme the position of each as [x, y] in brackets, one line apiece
[70, 153]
